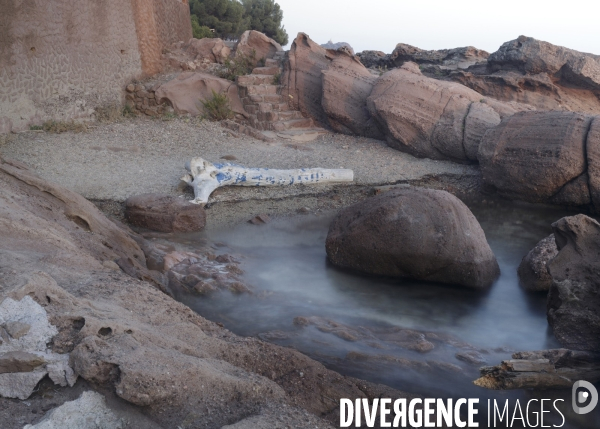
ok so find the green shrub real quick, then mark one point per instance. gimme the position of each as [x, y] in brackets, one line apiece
[200, 31]
[277, 79]
[217, 108]
[240, 65]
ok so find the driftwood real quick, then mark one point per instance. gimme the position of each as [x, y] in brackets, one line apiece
[205, 177]
[545, 369]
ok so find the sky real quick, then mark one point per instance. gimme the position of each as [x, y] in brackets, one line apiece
[438, 24]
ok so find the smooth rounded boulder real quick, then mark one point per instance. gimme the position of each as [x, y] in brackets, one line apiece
[164, 213]
[417, 233]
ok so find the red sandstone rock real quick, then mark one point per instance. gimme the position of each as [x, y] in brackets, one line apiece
[186, 92]
[213, 50]
[164, 213]
[263, 46]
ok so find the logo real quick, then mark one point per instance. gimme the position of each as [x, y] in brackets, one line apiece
[584, 393]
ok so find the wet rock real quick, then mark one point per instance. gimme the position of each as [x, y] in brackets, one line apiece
[164, 213]
[593, 159]
[413, 232]
[533, 270]
[531, 156]
[471, 357]
[346, 86]
[257, 42]
[224, 259]
[18, 361]
[88, 411]
[574, 298]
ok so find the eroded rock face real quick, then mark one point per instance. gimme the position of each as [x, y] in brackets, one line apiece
[164, 213]
[414, 232]
[574, 298]
[532, 56]
[213, 50]
[457, 58]
[259, 43]
[538, 156]
[537, 73]
[303, 79]
[187, 91]
[346, 86]
[593, 159]
[423, 116]
[375, 59]
[533, 270]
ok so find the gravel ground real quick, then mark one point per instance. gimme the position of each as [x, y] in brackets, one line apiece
[112, 162]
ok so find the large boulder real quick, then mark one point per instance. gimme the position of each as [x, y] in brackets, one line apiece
[593, 159]
[302, 77]
[574, 297]
[255, 43]
[423, 116]
[533, 270]
[538, 157]
[346, 86]
[214, 50]
[532, 56]
[164, 213]
[187, 91]
[412, 232]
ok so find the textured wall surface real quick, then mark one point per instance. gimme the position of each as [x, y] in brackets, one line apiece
[59, 59]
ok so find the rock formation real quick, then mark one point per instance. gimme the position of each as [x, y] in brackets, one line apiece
[533, 270]
[125, 335]
[339, 46]
[540, 157]
[213, 50]
[187, 91]
[574, 298]
[258, 44]
[416, 233]
[346, 86]
[164, 213]
[445, 59]
[428, 117]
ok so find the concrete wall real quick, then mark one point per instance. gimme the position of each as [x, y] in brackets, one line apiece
[59, 59]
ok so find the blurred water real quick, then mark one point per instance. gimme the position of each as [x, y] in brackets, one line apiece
[285, 262]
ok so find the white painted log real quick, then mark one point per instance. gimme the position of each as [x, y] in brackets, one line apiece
[205, 177]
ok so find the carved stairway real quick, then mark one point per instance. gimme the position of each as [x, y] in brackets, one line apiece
[269, 113]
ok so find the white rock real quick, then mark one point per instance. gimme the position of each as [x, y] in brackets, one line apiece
[89, 411]
[20, 384]
[29, 312]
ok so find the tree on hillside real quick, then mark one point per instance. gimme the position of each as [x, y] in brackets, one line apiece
[225, 17]
[230, 18]
[266, 16]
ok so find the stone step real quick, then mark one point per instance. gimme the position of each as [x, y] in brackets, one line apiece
[289, 115]
[272, 70]
[292, 124]
[269, 62]
[254, 79]
[250, 90]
